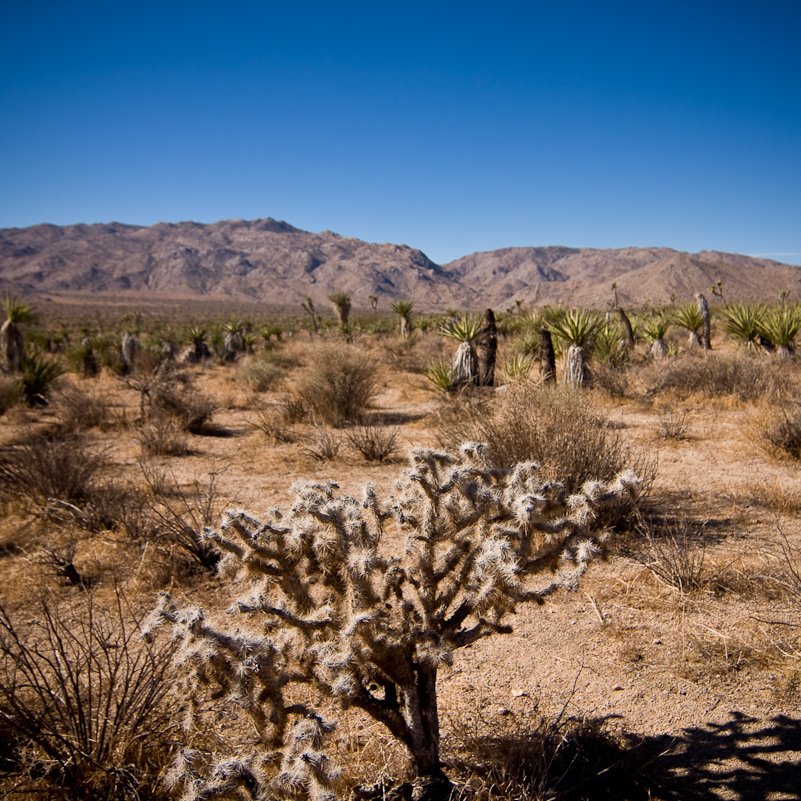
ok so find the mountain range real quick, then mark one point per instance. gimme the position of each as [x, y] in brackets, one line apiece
[270, 261]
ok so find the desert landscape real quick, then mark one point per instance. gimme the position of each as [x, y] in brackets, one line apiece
[135, 415]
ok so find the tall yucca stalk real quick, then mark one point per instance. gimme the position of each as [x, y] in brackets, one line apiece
[781, 326]
[743, 323]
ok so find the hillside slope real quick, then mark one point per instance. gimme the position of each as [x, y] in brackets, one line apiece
[270, 261]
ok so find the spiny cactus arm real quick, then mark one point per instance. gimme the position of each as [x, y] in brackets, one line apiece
[320, 620]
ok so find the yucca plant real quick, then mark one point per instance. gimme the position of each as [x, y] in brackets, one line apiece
[465, 330]
[37, 375]
[577, 329]
[742, 323]
[653, 331]
[12, 342]
[689, 317]
[609, 346]
[518, 366]
[341, 303]
[781, 326]
[403, 308]
[439, 374]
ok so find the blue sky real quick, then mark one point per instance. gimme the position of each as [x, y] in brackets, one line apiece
[451, 127]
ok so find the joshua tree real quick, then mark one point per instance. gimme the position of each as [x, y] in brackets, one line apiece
[325, 617]
[465, 362]
[403, 308]
[308, 306]
[575, 328]
[373, 303]
[12, 342]
[341, 303]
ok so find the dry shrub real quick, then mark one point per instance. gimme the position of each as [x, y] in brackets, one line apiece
[674, 551]
[179, 513]
[10, 393]
[777, 429]
[340, 384]
[747, 378]
[610, 378]
[553, 426]
[322, 443]
[176, 396]
[272, 423]
[82, 699]
[161, 435]
[673, 424]
[76, 409]
[772, 495]
[375, 442]
[50, 465]
[520, 754]
[261, 373]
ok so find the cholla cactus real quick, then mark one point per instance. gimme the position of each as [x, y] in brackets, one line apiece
[333, 610]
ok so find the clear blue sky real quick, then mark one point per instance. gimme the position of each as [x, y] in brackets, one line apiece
[451, 127]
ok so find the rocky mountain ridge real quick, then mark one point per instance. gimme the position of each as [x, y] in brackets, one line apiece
[271, 261]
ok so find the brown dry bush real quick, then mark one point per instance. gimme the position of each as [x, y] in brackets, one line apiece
[374, 442]
[160, 435]
[554, 426]
[322, 443]
[82, 701]
[50, 465]
[78, 410]
[777, 429]
[179, 513]
[340, 384]
[748, 378]
[175, 395]
[10, 393]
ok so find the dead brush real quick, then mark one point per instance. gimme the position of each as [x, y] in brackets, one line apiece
[78, 410]
[674, 551]
[160, 435]
[50, 465]
[777, 429]
[82, 699]
[179, 513]
[673, 424]
[741, 376]
[339, 384]
[272, 423]
[555, 427]
[522, 755]
[322, 443]
[376, 443]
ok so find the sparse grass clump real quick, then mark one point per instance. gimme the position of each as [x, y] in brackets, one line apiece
[339, 385]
